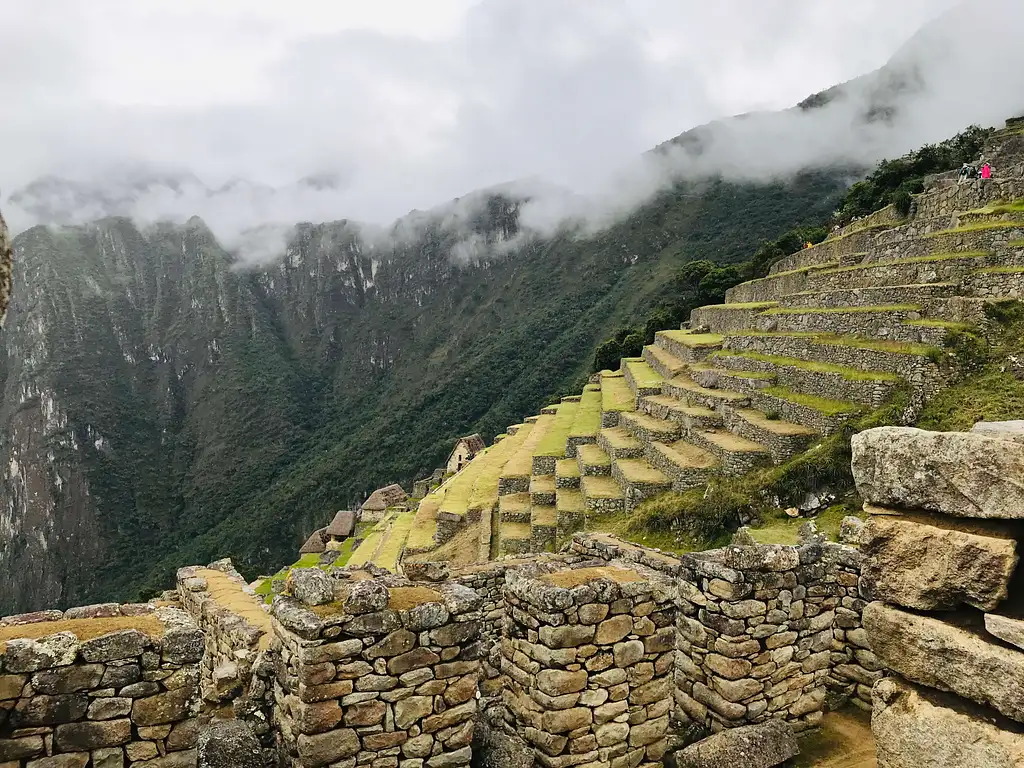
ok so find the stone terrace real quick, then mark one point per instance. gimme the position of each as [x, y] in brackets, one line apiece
[830, 333]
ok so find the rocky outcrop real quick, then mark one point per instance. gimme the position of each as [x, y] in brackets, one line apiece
[915, 727]
[956, 473]
[752, 746]
[6, 268]
[922, 565]
[930, 562]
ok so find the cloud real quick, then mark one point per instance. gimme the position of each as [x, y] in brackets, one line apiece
[555, 102]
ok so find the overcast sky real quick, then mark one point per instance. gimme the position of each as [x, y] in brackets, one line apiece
[408, 102]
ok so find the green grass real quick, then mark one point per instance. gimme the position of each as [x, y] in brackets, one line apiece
[485, 487]
[616, 394]
[850, 374]
[932, 323]
[389, 552]
[931, 258]
[979, 227]
[779, 528]
[842, 310]
[1016, 206]
[743, 305]
[789, 272]
[688, 339]
[643, 375]
[553, 442]
[855, 342]
[1000, 270]
[588, 415]
[820, 404]
[520, 464]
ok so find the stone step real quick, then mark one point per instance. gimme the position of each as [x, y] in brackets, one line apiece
[671, 409]
[616, 397]
[783, 439]
[815, 378]
[935, 268]
[619, 443]
[908, 361]
[592, 460]
[570, 511]
[686, 389]
[737, 454]
[710, 376]
[542, 490]
[722, 318]
[873, 296]
[821, 414]
[514, 508]
[514, 538]
[641, 378]
[687, 346]
[639, 480]
[648, 429]
[989, 236]
[773, 287]
[602, 495]
[543, 528]
[664, 362]
[567, 474]
[886, 322]
[684, 463]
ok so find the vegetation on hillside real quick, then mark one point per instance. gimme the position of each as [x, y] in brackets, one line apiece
[700, 282]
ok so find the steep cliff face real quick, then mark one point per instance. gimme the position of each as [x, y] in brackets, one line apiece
[162, 405]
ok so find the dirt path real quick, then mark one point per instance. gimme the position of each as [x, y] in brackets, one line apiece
[843, 741]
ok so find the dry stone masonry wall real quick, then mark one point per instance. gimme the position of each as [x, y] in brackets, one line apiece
[103, 686]
[376, 672]
[941, 563]
[588, 653]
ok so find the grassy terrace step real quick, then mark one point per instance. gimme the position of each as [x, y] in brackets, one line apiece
[514, 538]
[639, 472]
[602, 495]
[982, 226]
[485, 487]
[648, 429]
[567, 474]
[783, 439]
[962, 259]
[618, 442]
[868, 296]
[693, 393]
[544, 516]
[819, 413]
[616, 397]
[553, 441]
[587, 422]
[682, 460]
[542, 489]
[689, 416]
[394, 542]
[593, 461]
[570, 502]
[775, 285]
[687, 345]
[737, 454]
[520, 465]
[663, 362]
[514, 507]
[779, 361]
[421, 538]
[641, 378]
[733, 380]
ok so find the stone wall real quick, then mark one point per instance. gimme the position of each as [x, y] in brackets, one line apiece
[835, 249]
[375, 671]
[101, 687]
[237, 669]
[941, 563]
[949, 197]
[588, 654]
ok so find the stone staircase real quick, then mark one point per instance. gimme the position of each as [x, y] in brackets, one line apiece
[828, 334]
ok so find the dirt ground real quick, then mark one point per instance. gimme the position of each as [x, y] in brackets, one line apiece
[843, 741]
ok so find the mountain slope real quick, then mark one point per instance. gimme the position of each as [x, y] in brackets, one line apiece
[162, 406]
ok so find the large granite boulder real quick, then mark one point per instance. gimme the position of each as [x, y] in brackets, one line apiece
[917, 727]
[931, 562]
[952, 654]
[752, 746]
[959, 473]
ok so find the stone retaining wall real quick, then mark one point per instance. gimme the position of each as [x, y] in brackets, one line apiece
[950, 198]
[109, 686]
[588, 654]
[237, 669]
[834, 249]
[941, 563]
[375, 671]
[996, 285]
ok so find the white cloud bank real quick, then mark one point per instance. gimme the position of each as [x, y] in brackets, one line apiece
[399, 105]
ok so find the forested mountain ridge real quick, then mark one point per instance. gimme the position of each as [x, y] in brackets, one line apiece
[162, 405]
